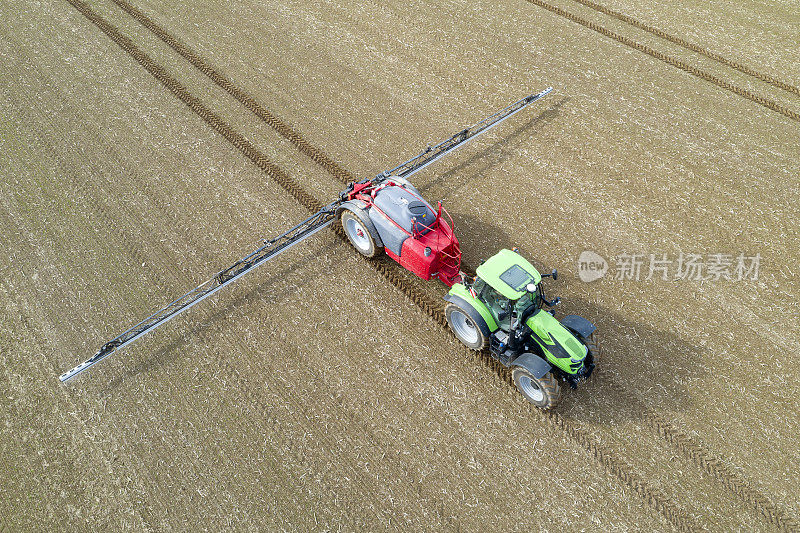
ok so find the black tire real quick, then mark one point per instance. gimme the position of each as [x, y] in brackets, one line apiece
[464, 327]
[593, 343]
[543, 392]
[358, 234]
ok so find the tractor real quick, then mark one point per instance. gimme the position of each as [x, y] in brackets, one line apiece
[500, 309]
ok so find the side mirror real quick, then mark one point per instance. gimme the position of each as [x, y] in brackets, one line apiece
[553, 274]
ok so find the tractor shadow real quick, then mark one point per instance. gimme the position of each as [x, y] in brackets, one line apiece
[479, 164]
[215, 320]
[479, 239]
[642, 367]
[663, 363]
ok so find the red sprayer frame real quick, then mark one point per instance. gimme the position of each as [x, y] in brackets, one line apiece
[434, 253]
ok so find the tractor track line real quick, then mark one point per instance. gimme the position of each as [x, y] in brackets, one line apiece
[744, 69]
[670, 510]
[627, 41]
[212, 119]
[244, 146]
[245, 99]
[696, 451]
[712, 464]
[689, 446]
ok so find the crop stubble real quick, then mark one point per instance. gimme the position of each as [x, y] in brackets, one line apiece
[678, 438]
[688, 446]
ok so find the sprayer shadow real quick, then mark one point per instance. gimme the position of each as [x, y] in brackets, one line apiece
[216, 322]
[481, 163]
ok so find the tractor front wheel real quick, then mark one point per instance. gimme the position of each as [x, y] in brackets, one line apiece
[593, 344]
[465, 328]
[543, 392]
[358, 234]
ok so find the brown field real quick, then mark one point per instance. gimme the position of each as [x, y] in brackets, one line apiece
[315, 394]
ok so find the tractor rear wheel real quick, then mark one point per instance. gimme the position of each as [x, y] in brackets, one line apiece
[358, 234]
[465, 328]
[543, 392]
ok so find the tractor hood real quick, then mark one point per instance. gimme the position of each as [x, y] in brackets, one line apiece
[508, 273]
[561, 346]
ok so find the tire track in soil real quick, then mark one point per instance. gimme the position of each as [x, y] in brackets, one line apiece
[689, 446]
[285, 130]
[267, 166]
[712, 464]
[692, 449]
[703, 75]
[137, 252]
[618, 467]
[245, 99]
[744, 69]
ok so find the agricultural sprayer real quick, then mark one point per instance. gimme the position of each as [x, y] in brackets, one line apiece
[502, 308]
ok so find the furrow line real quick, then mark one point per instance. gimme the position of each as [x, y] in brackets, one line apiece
[744, 69]
[627, 41]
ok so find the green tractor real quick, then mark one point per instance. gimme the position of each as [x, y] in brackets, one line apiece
[502, 309]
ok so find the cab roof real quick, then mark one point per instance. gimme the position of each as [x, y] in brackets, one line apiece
[508, 273]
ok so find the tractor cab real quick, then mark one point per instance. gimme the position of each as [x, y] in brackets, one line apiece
[502, 284]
